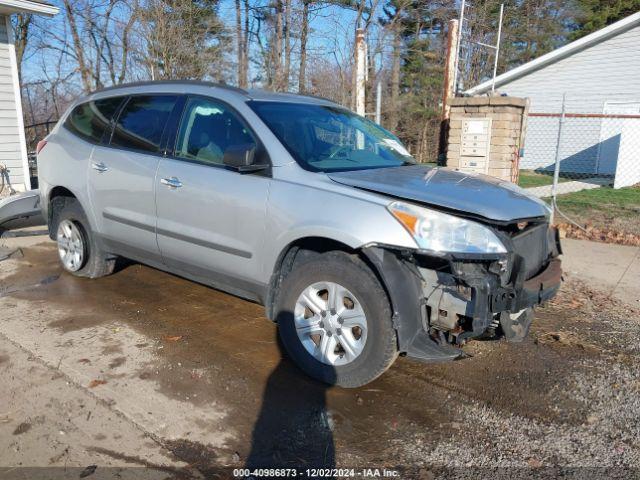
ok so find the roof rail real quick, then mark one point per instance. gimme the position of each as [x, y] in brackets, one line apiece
[171, 82]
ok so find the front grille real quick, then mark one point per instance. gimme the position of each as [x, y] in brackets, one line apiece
[532, 244]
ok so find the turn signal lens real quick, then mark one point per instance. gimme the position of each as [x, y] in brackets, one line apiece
[408, 220]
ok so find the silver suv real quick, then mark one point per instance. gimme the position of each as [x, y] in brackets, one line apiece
[357, 252]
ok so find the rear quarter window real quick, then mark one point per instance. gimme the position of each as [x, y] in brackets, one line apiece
[92, 120]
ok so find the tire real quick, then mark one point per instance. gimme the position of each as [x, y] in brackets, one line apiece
[379, 350]
[93, 262]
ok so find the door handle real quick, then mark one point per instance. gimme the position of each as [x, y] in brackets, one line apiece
[172, 182]
[99, 166]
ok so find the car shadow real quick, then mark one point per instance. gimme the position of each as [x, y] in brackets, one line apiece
[294, 428]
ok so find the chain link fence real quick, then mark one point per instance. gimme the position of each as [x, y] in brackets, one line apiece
[582, 155]
[33, 134]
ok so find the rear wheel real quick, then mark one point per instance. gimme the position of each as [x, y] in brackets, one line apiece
[78, 247]
[72, 245]
[334, 320]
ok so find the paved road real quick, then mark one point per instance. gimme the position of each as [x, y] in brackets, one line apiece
[614, 269]
[48, 421]
[569, 187]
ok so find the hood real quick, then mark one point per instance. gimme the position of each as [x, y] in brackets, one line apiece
[467, 193]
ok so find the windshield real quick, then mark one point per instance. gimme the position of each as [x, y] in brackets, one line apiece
[330, 139]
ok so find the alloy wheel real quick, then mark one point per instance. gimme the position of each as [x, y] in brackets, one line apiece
[71, 248]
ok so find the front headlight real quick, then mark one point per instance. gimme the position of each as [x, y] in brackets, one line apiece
[440, 232]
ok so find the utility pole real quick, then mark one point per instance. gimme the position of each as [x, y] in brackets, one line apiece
[449, 68]
[449, 90]
[456, 63]
[495, 62]
[361, 71]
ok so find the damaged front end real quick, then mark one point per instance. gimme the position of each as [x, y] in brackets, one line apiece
[442, 300]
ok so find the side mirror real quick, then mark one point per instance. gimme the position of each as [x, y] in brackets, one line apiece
[242, 157]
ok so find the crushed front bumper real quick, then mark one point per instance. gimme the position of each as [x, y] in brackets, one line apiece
[20, 211]
[440, 302]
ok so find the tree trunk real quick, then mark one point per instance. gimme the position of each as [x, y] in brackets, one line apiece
[85, 73]
[303, 47]
[126, 45]
[371, 80]
[239, 45]
[287, 45]
[395, 81]
[277, 48]
[245, 46]
[23, 21]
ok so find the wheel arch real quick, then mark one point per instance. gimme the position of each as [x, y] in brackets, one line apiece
[304, 247]
[54, 193]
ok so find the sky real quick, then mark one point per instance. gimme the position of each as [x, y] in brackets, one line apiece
[332, 31]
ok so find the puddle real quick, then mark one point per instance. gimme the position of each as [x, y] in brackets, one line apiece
[76, 322]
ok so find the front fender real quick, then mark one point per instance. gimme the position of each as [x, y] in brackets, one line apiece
[298, 211]
[403, 283]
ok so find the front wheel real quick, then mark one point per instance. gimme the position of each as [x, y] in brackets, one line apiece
[334, 320]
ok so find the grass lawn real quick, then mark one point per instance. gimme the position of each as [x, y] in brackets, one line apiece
[604, 207]
[529, 178]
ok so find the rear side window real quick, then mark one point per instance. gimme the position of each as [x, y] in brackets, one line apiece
[91, 120]
[142, 121]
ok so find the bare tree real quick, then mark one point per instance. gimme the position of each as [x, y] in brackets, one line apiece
[394, 12]
[242, 42]
[394, 112]
[287, 44]
[99, 42]
[83, 67]
[182, 39]
[21, 26]
[304, 34]
[276, 46]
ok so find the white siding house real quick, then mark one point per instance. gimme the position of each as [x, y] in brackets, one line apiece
[13, 150]
[599, 78]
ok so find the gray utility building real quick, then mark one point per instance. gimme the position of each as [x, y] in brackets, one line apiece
[13, 149]
[597, 80]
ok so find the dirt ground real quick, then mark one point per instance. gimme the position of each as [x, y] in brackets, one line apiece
[148, 375]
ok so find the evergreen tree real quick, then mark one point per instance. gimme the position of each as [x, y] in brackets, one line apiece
[596, 14]
[185, 39]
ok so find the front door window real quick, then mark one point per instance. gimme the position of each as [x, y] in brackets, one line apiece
[208, 128]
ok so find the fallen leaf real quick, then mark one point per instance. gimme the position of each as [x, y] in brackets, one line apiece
[88, 471]
[598, 234]
[534, 463]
